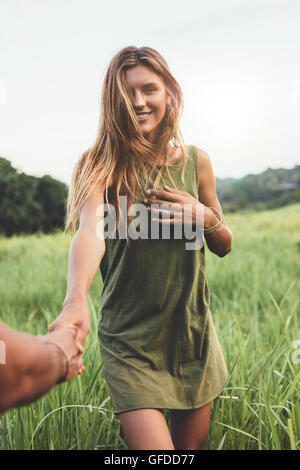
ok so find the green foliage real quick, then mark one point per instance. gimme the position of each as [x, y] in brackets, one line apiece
[30, 204]
[267, 190]
[255, 307]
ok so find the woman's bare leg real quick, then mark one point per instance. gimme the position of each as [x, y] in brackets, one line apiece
[189, 428]
[146, 429]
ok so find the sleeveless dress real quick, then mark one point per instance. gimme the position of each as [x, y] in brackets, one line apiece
[158, 345]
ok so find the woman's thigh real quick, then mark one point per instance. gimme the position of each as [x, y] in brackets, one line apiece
[189, 428]
[146, 429]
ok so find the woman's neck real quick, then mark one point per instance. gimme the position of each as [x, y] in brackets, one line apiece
[171, 157]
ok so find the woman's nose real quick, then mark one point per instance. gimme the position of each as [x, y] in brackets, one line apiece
[139, 99]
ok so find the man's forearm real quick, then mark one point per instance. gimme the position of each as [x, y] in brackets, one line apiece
[31, 368]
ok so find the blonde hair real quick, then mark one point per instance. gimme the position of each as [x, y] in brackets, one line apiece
[120, 142]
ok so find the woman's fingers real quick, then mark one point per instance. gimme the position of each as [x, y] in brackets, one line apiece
[165, 210]
[167, 195]
[175, 206]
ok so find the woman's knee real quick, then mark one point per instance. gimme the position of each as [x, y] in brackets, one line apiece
[146, 429]
[189, 428]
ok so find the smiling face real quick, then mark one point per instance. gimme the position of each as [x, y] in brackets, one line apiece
[150, 98]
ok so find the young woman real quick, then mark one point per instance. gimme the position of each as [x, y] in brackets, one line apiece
[157, 338]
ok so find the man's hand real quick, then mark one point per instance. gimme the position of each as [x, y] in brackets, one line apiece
[67, 339]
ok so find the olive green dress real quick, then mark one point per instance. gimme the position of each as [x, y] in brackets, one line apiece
[157, 338]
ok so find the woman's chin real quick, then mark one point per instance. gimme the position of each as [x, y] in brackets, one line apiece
[148, 132]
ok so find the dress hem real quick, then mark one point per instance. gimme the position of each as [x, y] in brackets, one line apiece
[183, 409]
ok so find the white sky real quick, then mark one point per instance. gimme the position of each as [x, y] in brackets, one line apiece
[237, 62]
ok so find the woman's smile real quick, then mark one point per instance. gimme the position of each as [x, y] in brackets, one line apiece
[143, 117]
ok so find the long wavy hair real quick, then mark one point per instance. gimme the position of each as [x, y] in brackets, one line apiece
[120, 144]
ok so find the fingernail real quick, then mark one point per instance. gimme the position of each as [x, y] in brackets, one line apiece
[148, 191]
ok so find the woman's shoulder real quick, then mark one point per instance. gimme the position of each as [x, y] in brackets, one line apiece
[204, 164]
[193, 153]
[203, 158]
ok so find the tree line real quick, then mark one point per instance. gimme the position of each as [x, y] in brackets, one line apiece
[28, 203]
[267, 190]
[31, 204]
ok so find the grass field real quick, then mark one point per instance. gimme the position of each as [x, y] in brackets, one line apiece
[255, 306]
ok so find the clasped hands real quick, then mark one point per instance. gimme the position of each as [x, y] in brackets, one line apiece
[70, 330]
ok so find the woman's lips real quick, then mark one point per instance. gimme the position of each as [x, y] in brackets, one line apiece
[144, 117]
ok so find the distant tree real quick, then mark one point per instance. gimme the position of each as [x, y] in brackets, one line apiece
[29, 204]
[52, 194]
[5, 167]
[269, 189]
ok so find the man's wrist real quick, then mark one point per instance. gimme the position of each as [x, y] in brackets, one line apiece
[60, 359]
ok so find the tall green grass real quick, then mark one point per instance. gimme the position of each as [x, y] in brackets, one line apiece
[255, 305]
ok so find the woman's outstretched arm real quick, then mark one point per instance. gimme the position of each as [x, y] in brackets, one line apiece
[219, 242]
[86, 252]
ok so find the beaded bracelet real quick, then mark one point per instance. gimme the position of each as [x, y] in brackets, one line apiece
[67, 360]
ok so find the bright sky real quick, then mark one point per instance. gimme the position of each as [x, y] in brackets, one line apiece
[237, 62]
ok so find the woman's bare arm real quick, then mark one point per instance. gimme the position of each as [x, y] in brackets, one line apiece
[86, 252]
[219, 242]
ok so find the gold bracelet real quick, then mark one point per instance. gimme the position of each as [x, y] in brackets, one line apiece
[67, 360]
[214, 228]
[219, 214]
